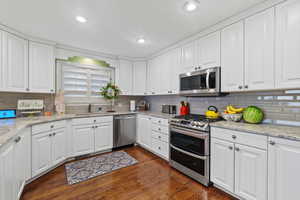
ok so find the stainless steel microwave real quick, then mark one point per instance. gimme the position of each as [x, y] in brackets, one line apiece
[205, 82]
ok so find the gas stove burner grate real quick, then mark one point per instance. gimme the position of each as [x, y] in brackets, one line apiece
[195, 117]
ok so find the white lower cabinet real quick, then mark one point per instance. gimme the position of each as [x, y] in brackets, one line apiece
[240, 169]
[222, 164]
[103, 136]
[15, 166]
[48, 149]
[83, 139]
[144, 130]
[250, 172]
[153, 134]
[283, 169]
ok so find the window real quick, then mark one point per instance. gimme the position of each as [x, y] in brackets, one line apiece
[82, 83]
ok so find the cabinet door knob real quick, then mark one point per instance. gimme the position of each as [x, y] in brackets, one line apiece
[96, 126]
[237, 149]
[27, 89]
[159, 148]
[234, 137]
[272, 143]
[240, 87]
[230, 147]
[50, 135]
[246, 86]
[54, 134]
[17, 139]
[52, 126]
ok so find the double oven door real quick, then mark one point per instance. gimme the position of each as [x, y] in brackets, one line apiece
[189, 152]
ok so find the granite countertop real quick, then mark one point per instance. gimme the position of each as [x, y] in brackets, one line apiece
[286, 132]
[9, 128]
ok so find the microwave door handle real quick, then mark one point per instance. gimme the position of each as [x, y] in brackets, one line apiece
[207, 80]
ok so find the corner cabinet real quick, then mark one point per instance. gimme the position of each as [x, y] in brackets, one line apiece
[232, 57]
[288, 44]
[15, 63]
[284, 165]
[41, 68]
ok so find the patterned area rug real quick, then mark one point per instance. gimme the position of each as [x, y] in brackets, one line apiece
[82, 170]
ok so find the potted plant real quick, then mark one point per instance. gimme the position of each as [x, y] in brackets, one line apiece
[110, 92]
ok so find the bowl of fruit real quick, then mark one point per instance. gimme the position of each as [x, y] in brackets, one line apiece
[233, 114]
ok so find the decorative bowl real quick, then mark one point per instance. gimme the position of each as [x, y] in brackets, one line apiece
[233, 117]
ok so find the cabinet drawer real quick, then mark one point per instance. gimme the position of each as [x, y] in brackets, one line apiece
[250, 139]
[159, 128]
[92, 120]
[159, 136]
[160, 147]
[160, 121]
[48, 126]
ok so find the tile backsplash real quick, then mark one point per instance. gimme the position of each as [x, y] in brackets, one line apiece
[280, 107]
[10, 100]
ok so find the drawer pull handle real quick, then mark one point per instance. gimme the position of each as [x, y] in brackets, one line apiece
[272, 143]
[234, 137]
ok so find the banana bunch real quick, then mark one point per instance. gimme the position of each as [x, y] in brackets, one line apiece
[232, 110]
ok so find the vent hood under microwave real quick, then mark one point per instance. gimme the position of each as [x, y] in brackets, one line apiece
[205, 82]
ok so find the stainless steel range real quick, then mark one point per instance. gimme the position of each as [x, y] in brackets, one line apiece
[190, 146]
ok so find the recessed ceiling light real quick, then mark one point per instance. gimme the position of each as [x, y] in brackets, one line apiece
[141, 40]
[81, 19]
[191, 5]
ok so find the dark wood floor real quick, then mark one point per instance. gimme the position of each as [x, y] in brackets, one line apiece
[151, 179]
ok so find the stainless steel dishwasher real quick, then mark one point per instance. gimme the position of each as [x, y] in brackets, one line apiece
[124, 130]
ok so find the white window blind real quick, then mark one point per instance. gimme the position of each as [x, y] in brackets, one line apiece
[82, 83]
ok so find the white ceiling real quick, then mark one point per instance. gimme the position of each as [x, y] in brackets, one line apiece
[114, 25]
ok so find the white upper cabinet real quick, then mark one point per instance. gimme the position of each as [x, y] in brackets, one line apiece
[208, 51]
[188, 60]
[124, 77]
[232, 57]
[250, 172]
[259, 51]
[288, 44]
[174, 71]
[283, 169]
[153, 77]
[139, 78]
[163, 70]
[15, 66]
[41, 68]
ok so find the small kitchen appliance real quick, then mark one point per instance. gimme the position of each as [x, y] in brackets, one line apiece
[190, 146]
[205, 82]
[30, 107]
[132, 106]
[169, 109]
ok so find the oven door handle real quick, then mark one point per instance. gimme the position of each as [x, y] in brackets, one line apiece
[188, 153]
[190, 133]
